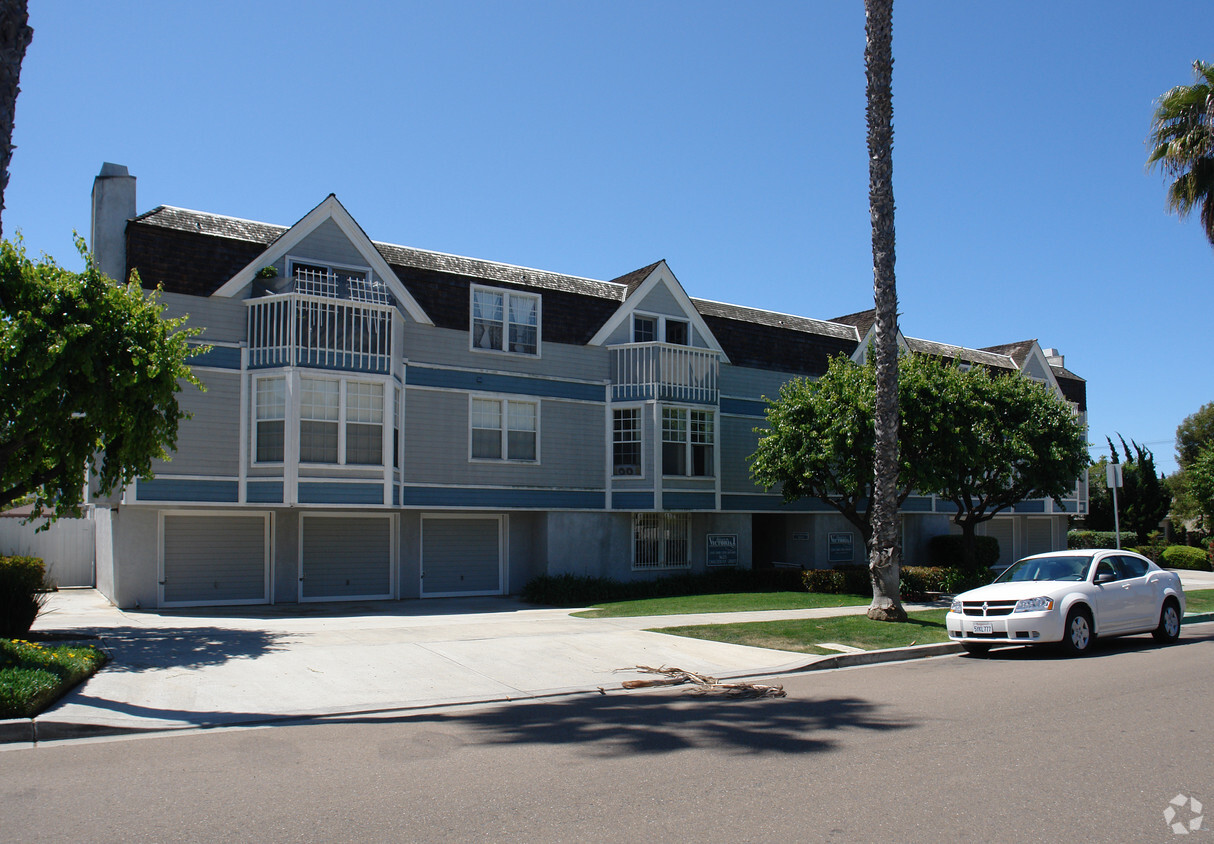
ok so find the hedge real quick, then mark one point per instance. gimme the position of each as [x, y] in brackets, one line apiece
[22, 592]
[917, 581]
[1185, 557]
[1099, 539]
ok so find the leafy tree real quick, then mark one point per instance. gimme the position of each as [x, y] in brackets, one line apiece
[1201, 480]
[1100, 501]
[15, 36]
[1143, 499]
[884, 561]
[1194, 434]
[91, 373]
[1002, 439]
[1182, 145]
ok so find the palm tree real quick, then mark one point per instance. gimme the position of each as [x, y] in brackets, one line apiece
[883, 558]
[15, 35]
[1182, 141]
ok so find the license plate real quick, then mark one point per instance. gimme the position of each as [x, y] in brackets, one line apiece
[983, 627]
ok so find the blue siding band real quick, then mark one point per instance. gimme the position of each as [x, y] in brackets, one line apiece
[751, 503]
[331, 493]
[744, 407]
[220, 357]
[689, 501]
[263, 492]
[461, 379]
[1036, 506]
[173, 489]
[555, 499]
[632, 500]
[916, 504]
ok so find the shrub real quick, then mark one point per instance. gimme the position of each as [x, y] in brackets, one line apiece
[1185, 557]
[22, 593]
[948, 550]
[919, 581]
[1099, 539]
[841, 580]
[577, 590]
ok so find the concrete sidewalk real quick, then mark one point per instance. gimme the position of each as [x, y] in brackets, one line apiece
[173, 670]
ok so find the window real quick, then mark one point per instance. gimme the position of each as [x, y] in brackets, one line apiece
[271, 401]
[318, 420]
[644, 329]
[333, 431]
[676, 332]
[396, 429]
[505, 321]
[364, 423]
[514, 440]
[687, 441]
[660, 540]
[626, 441]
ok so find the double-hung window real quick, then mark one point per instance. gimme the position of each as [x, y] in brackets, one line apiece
[341, 422]
[626, 441]
[687, 442]
[271, 401]
[505, 321]
[503, 429]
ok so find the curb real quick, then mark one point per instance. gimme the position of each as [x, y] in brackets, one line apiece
[1197, 617]
[14, 730]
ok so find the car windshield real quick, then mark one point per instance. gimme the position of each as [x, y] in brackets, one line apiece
[1046, 568]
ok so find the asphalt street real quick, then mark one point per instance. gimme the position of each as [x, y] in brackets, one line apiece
[1025, 746]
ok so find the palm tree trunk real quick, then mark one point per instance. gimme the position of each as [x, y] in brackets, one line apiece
[15, 35]
[884, 553]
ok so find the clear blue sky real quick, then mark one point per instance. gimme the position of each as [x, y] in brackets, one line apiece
[728, 138]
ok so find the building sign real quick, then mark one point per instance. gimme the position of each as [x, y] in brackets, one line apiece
[722, 549]
[800, 537]
[841, 548]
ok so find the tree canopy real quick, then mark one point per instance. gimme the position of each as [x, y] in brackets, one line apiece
[981, 442]
[91, 373]
[1182, 145]
[1194, 434]
[1201, 481]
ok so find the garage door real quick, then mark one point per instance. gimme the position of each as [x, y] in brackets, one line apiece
[212, 560]
[345, 557]
[462, 556]
[1001, 529]
[1037, 536]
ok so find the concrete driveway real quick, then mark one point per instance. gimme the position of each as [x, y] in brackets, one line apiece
[189, 668]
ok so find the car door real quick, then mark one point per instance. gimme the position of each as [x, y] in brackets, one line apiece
[1111, 601]
[1141, 611]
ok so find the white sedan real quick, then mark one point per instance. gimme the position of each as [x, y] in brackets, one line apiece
[1070, 597]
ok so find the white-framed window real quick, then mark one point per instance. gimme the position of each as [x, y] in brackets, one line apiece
[504, 429]
[341, 421]
[678, 332]
[646, 328]
[661, 541]
[320, 278]
[626, 441]
[271, 419]
[396, 413]
[505, 321]
[687, 442]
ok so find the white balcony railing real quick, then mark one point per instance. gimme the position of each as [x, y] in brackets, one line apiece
[664, 372]
[295, 329]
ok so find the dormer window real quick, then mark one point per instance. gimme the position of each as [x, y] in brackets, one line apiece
[677, 332]
[644, 329]
[334, 282]
[505, 321]
[647, 328]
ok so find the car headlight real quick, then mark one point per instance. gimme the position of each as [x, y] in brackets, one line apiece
[956, 607]
[1034, 605]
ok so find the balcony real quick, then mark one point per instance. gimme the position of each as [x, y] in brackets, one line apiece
[303, 329]
[664, 372]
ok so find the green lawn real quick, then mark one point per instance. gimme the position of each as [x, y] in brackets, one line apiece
[33, 676]
[1199, 600]
[804, 635]
[730, 602]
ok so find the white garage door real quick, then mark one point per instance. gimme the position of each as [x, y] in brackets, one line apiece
[1037, 536]
[1002, 529]
[345, 558]
[462, 556]
[213, 560]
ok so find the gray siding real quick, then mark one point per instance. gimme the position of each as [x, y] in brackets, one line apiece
[209, 442]
[427, 344]
[346, 557]
[214, 559]
[221, 318]
[460, 556]
[661, 301]
[744, 382]
[738, 441]
[327, 243]
[571, 446]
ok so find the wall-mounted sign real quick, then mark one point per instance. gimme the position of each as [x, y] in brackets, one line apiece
[840, 549]
[722, 549]
[800, 537]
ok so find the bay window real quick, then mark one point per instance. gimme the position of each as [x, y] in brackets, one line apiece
[271, 413]
[687, 442]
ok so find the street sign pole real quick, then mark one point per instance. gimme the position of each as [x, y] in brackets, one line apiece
[1113, 478]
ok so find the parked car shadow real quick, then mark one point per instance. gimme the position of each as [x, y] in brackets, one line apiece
[1100, 648]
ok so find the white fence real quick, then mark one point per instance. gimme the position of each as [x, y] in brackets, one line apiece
[68, 547]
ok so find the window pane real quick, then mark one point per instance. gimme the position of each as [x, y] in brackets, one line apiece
[522, 416]
[486, 319]
[487, 445]
[319, 399]
[271, 398]
[644, 329]
[676, 332]
[701, 461]
[521, 445]
[674, 459]
[317, 442]
[364, 444]
[524, 324]
[523, 339]
[270, 436]
[486, 414]
[626, 441]
[364, 402]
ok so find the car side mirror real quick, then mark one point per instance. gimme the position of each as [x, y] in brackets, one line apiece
[1105, 577]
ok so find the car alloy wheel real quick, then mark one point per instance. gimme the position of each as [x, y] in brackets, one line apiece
[1168, 630]
[1077, 637]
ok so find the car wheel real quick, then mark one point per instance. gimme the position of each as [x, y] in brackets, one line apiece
[1077, 635]
[1168, 630]
[976, 650]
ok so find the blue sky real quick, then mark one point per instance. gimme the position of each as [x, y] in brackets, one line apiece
[728, 138]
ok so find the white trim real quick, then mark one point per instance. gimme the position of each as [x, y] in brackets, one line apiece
[503, 554]
[661, 274]
[506, 293]
[243, 448]
[503, 400]
[640, 420]
[393, 555]
[267, 550]
[660, 440]
[329, 209]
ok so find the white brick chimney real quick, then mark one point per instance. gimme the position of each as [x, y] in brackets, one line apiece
[113, 205]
